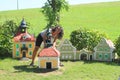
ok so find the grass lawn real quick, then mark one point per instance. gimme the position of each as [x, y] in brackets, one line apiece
[11, 69]
[103, 17]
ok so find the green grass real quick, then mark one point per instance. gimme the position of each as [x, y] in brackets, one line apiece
[103, 17]
[11, 69]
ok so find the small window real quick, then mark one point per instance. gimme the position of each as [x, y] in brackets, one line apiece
[30, 53]
[106, 56]
[30, 45]
[70, 57]
[17, 45]
[23, 30]
[100, 56]
[23, 45]
[17, 53]
[66, 56]
[62, 56]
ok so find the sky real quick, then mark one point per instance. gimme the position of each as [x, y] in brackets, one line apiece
[25, 4]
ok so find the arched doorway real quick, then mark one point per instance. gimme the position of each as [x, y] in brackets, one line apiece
[83, 56]
[90, 57]
[24, 53]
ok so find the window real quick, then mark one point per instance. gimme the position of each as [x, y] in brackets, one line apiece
[30, 45]
[100, 56]
[30, 53]
[106, 56]
[23, 30]
[23, 45]
[17, 53]
[17, 45]
[70, 56]
[66, 56]
[62, 56]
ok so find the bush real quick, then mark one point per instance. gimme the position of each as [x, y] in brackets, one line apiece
[7, 31]
[84, 38]
[117, 46]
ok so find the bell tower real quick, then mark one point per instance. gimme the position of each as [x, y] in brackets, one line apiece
[23, 26]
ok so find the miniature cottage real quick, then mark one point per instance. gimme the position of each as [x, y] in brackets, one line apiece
[104, 51]
[68, 52]
[23, 42]
[84, 54]
[48, 58]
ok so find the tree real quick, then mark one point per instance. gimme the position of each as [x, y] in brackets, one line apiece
[84, 38]
[117, 46]
[7, 31]
[52, 9]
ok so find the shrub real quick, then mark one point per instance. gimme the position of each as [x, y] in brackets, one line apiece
[84, 38]
[117, 46]
[7, 31]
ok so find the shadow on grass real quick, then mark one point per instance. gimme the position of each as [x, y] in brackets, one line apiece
[107, 63]
[35, 69]
[2, 58]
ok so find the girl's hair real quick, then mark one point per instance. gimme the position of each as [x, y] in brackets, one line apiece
[61, 33]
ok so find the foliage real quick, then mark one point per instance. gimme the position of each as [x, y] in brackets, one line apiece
[52, 9]
[117, 46]
[83, 38]
[7, 31]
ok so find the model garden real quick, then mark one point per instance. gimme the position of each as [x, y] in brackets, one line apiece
[89, 50]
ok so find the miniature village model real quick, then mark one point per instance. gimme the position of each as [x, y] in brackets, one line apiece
[49, 57]
[23, 42]
[102, 52]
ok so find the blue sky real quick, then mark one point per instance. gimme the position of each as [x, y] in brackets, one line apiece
[24, 4]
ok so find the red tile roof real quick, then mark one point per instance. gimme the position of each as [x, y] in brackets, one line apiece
[49, 52]
[23, 37]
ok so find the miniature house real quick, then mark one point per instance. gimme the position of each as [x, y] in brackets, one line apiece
[23, 42]
[68, 52]
[84, 54]
[104, 51]
[49, 58]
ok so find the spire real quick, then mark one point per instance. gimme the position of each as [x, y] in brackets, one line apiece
[23, 24]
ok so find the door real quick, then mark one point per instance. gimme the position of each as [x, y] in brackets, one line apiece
[83, 57]
[90, 57]
[48, 65]
[24, 54]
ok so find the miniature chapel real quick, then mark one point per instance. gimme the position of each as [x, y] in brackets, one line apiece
[23, 42]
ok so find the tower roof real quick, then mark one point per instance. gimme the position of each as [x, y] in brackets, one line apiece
[23, 24]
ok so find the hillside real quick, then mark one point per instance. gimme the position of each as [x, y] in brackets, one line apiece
[100, 16]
